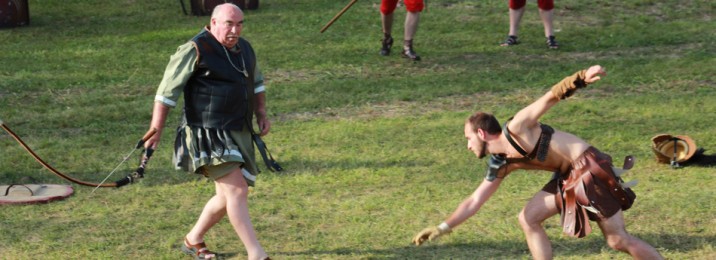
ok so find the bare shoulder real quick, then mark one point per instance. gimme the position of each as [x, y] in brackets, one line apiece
[526, 130]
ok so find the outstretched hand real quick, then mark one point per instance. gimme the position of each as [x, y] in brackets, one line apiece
[594, 73]
[428, 234]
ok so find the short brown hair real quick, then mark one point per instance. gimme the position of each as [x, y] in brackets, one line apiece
[486, 122]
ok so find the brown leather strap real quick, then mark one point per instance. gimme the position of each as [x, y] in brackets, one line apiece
[575, 221]
[614, 188]
[508, 135]
[539, 151]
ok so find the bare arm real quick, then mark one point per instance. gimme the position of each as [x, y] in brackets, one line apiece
[260, 112]
[529, 116]
[159, 117]
[472, 204]
[465, 210]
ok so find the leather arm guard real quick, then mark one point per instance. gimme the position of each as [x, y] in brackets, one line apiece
[569, 85]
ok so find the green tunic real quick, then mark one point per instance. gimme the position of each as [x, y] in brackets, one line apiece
[226, 146]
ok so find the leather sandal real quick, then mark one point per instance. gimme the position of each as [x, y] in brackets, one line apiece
[511, 40]
[552, 43]
[198, 251]
[408, 51]
[410, 54]
[387, 44]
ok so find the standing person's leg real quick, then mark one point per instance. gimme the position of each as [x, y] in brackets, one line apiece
[546, 8]
[546, 16]
[538, 209]
[617, 238]
[412, 19]
[517, 9]
[236, 191]
[411, 26]
[515, 19]
[387, 24]
[387, 7]
[213, 212]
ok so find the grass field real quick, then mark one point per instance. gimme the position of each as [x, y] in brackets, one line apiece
[372, 146]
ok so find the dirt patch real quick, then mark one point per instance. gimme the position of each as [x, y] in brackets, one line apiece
[413, 108]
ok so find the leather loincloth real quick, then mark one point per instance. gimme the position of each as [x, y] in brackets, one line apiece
[588, 191]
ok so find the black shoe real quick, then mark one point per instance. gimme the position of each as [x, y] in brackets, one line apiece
[387, 44]
[552, 43]
[510, 41]
[409, 53]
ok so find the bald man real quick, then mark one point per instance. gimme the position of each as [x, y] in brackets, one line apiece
[223, 91]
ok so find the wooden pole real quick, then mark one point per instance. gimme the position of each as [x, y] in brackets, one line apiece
[338, 15]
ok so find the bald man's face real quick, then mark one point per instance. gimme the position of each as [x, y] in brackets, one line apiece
[226, 26]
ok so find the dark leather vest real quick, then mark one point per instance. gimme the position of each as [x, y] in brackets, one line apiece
[219, 95]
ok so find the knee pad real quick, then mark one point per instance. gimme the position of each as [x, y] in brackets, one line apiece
[517, 4]
[545, 4]
[414, 6]
[388, 6]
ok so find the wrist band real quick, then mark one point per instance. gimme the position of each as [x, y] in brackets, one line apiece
[444, 227]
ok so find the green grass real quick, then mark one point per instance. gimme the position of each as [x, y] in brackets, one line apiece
[372, 146]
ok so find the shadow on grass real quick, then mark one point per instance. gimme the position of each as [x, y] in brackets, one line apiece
[700, 158]
[298, 167]
[513, 249]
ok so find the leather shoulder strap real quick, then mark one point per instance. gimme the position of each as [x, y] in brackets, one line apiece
[514, 144]
[540, 150]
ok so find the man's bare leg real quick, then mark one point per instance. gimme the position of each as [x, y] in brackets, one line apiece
[411, 26]
[617, 238]
[547, 17]
[213, 212]
[387, 41]
[236, 192]
[537, 210]
[387, 23]
[515, 18]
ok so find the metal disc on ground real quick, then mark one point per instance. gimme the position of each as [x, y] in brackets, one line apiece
[33, 193]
